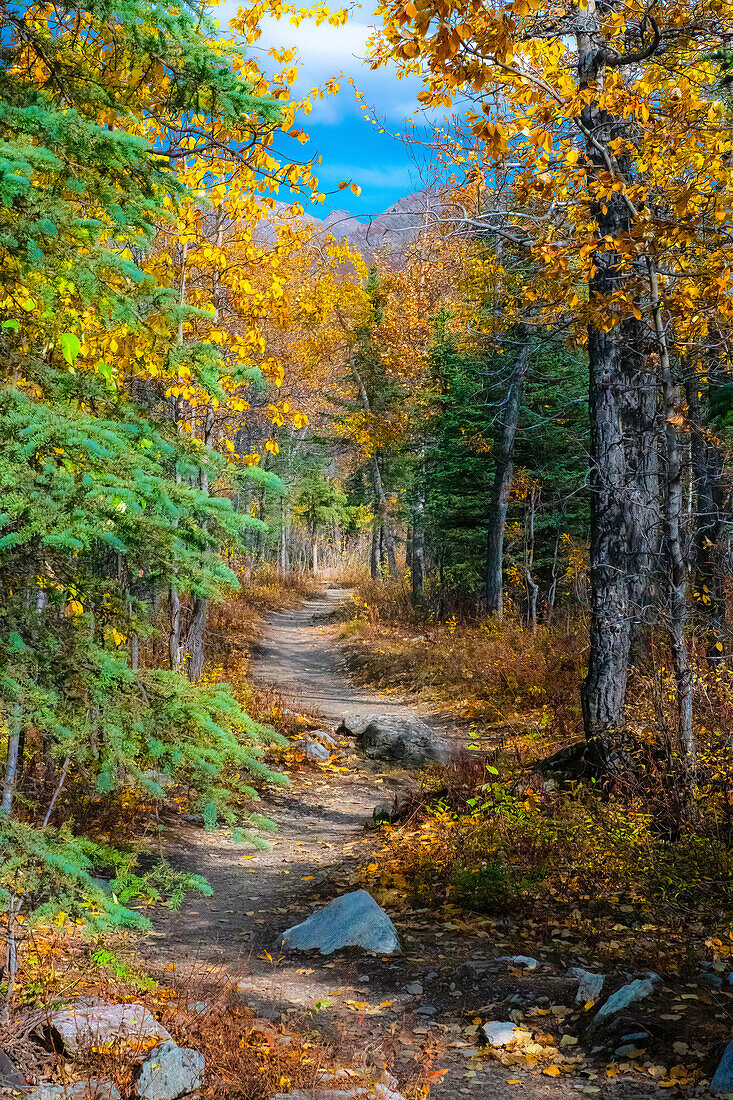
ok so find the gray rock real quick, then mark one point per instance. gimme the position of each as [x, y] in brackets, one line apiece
[590, 987]
[525, 961]
[88, 1023]
[405, 741]
[10, 1075]
[170, 1071]
[427, 1010]
[414, 989]
[501, 1033]
[353, 920]
[627, 995]
[626, 1049]
[355, 724]
[723, 1077]
[383, 813]
[575, 972]
[93, 1089]
[201, 1008]
[325, 738]
[316, 752]
[636, 1037]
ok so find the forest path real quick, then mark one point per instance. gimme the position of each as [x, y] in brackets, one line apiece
[301, 660]
[356, 1001]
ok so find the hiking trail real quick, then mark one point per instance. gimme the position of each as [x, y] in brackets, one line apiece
[357, 1001]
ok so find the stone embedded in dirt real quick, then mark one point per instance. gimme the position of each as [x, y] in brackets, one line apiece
[627, 995]
[524, 961]
[170, 1071]
[353, 920]
[502, 1033]
[723, 1077]
[10, 1075]
[86, 1024]
[383, 813]
[405, 741]
[93, 1089]
[353, 725]
[414, 989]
[316, 752]
[636, 1037]
[590, 987]
[325, 738]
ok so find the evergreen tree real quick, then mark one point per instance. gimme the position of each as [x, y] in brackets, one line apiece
[105, 505]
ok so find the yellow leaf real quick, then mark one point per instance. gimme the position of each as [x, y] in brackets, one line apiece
[551, 1071]
[356, 189]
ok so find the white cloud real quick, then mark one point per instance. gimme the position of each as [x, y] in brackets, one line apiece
[328, 51]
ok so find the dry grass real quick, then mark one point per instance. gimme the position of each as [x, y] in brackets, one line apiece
[489, 672]
[247, 1058]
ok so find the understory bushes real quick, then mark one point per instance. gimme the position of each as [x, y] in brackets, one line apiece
[513, 843]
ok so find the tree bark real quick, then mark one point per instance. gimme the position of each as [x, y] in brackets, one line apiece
[11, 765]
[417, 557]
[707, 476]
[195, 638]
[604, 688]
[502, 483]
[376, 545]
[676, 565]
[174, 636]
[640, 394]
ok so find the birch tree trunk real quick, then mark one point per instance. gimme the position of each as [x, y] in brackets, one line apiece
[503, 473]
[417, 555]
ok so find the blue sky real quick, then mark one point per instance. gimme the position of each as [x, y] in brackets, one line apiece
[352, 147]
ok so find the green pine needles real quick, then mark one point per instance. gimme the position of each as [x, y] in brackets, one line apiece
[108, 511]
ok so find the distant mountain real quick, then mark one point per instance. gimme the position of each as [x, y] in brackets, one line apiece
[388, 234]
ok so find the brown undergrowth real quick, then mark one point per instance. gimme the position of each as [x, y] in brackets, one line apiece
[489, 672]
[555, 872]
[246, 1058]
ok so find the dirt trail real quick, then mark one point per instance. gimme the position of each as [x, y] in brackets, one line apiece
[360, 1002]
[301, 660]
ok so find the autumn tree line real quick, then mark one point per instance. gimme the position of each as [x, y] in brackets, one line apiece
[537, 394]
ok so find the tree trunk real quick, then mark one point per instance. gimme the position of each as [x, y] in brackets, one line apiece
[677, 569]
[195, 638]
[707, 474]
[174, 636]
[11, 765]
[502, 483]
[376, 546]
[532, 586]
[643, 503]
[604, 688]
[417, 559]
[315, 552]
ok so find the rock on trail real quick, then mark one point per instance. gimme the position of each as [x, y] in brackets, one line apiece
[353, 920]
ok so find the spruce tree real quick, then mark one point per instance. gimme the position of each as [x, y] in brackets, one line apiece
[103, 508]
